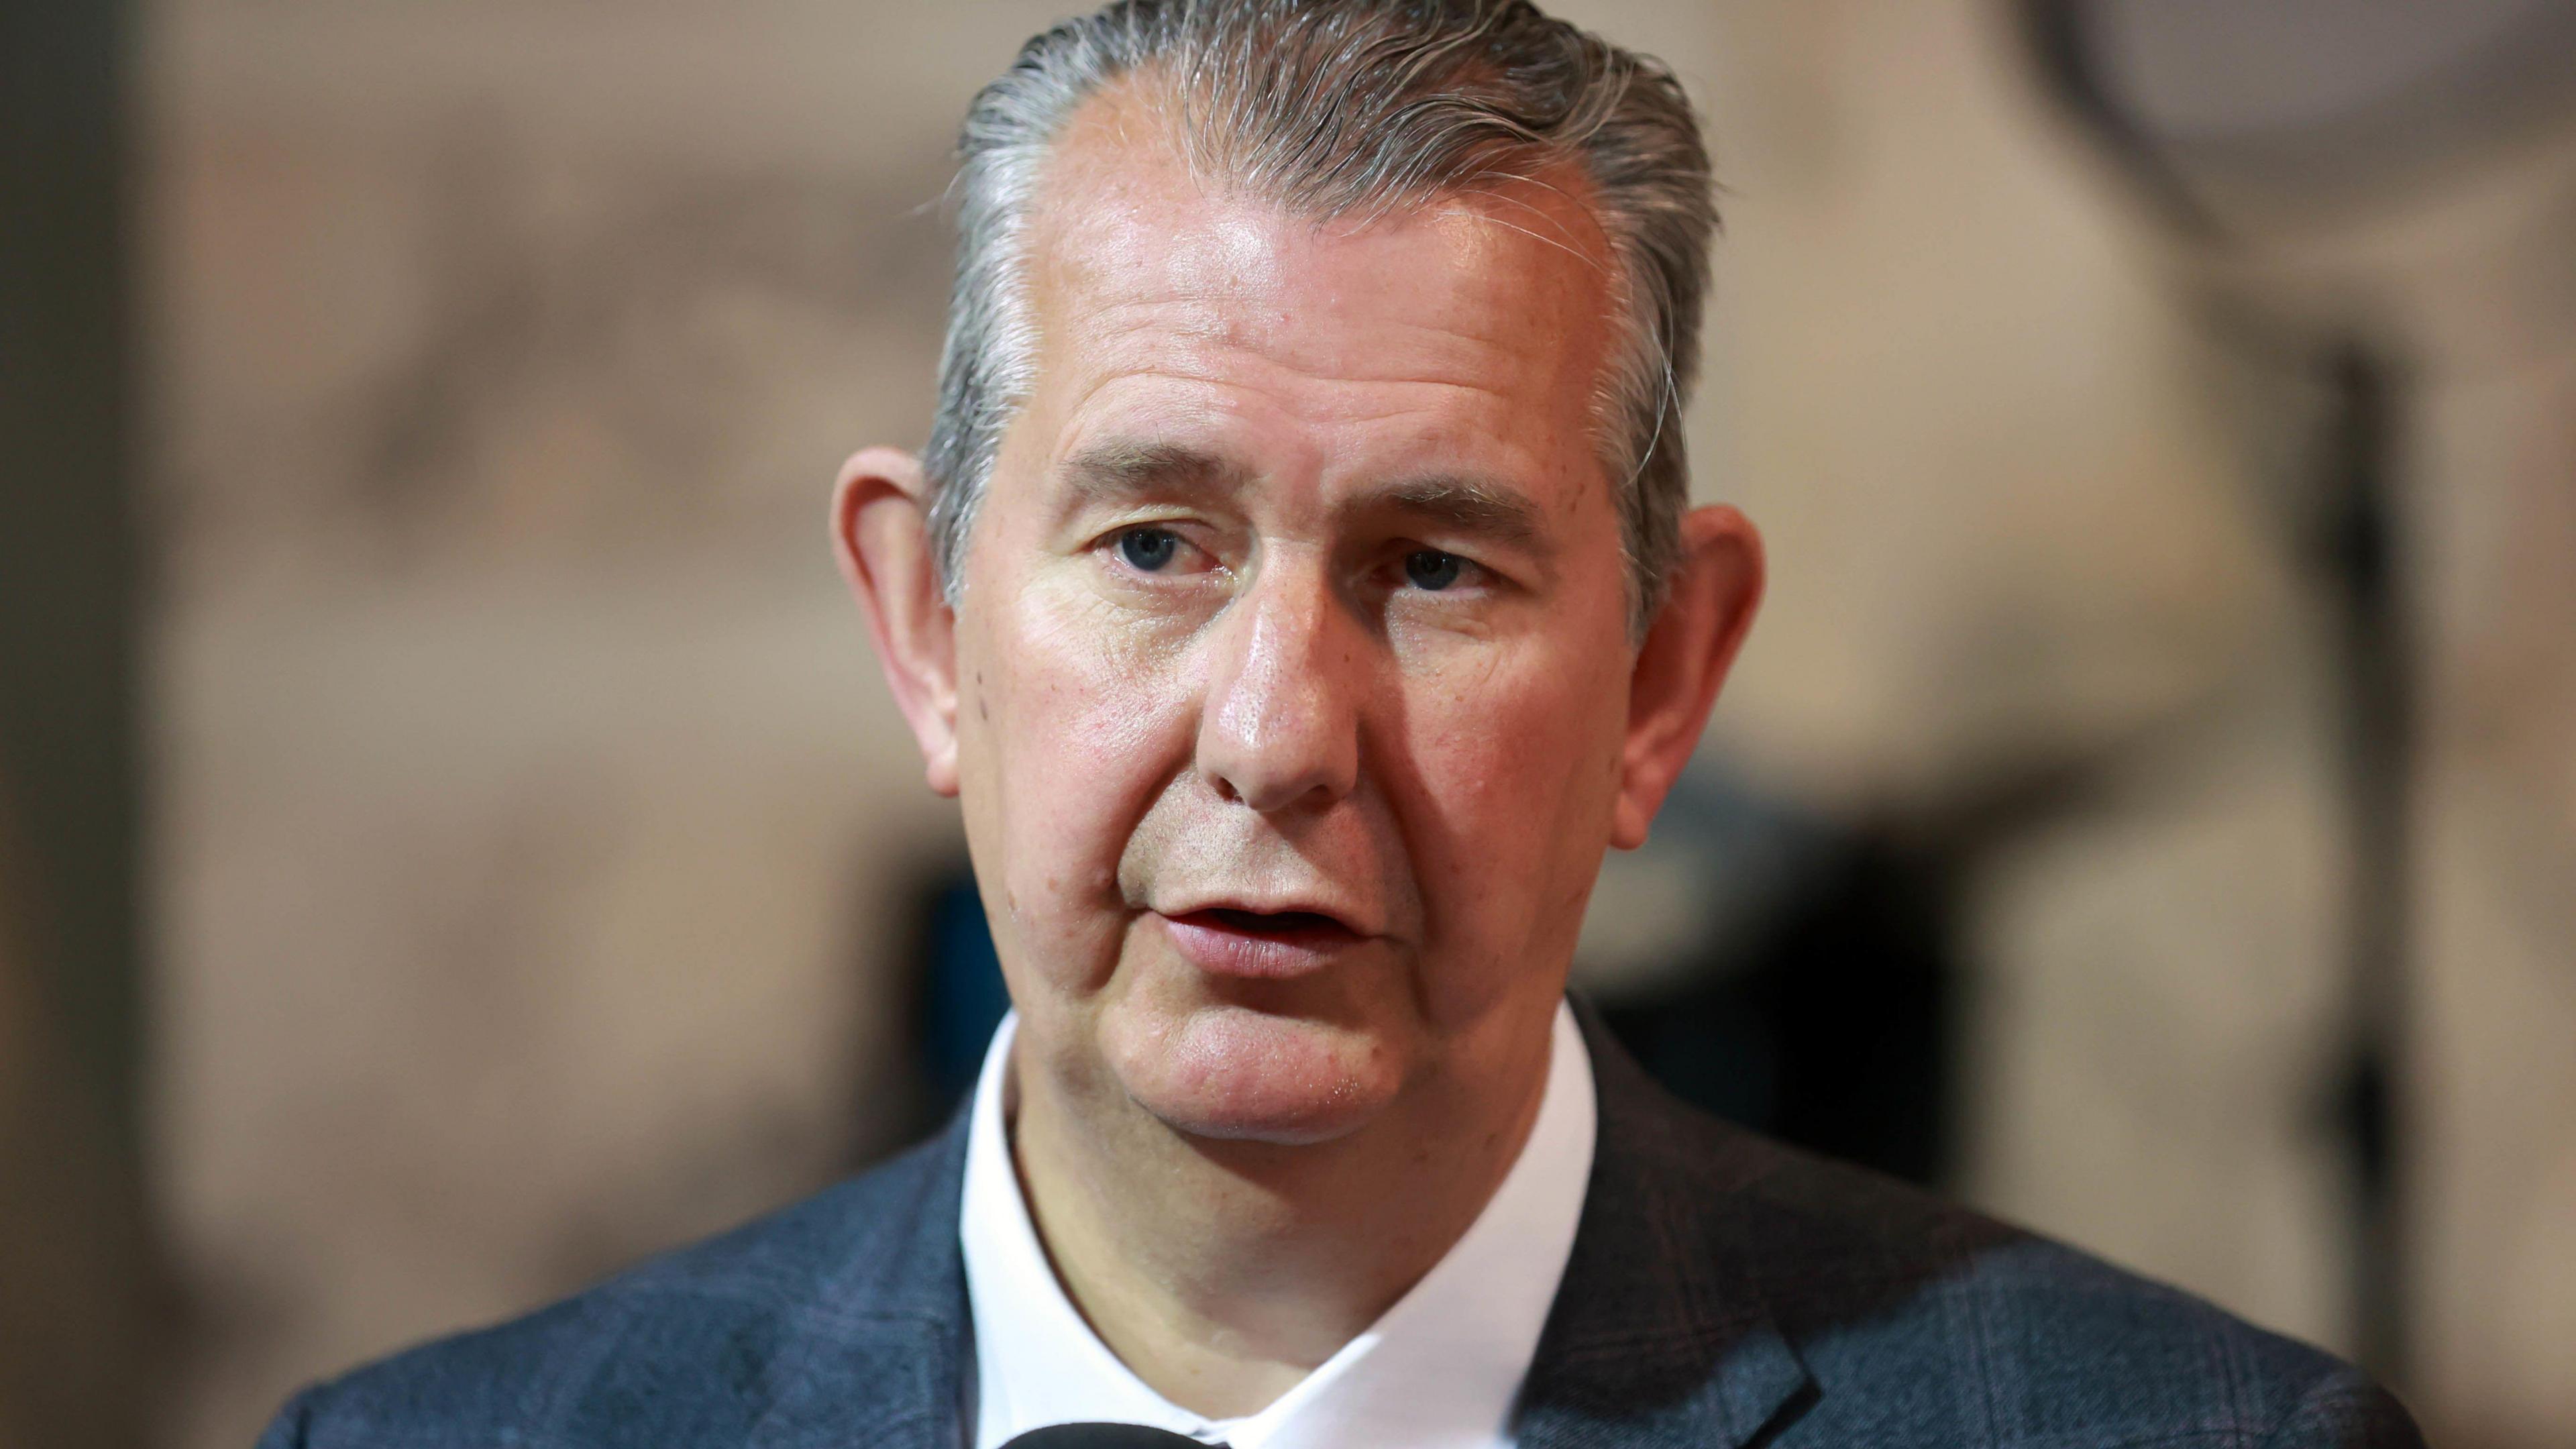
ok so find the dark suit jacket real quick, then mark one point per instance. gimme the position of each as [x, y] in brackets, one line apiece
[1723, 1291]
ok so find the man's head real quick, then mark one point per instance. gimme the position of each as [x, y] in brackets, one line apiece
[1341, 111]
[1297, 590]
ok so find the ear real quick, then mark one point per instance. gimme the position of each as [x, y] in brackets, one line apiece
[880, 532]
[1683, 661]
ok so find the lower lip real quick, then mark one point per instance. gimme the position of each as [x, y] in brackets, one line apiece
[1219, 948]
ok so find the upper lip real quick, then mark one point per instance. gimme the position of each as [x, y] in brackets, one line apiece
[1341, 916]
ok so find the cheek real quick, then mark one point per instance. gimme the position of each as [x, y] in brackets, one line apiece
[1515, 774]
[1067, 733]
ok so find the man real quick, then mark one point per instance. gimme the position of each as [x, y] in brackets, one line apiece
[1299, 595]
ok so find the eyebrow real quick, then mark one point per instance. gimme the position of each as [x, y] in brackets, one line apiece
[1123, 472]
[1469, 505]
[1119, 472]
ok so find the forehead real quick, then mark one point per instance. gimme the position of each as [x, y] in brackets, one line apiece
[1471, 319]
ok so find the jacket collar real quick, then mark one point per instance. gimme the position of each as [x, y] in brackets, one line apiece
[1660, 1337]
[879, 1356]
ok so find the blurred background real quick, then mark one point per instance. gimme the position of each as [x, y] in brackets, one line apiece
[454, 840]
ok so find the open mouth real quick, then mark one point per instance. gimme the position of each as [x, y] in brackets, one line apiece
[1281, 925]
[1268, 944]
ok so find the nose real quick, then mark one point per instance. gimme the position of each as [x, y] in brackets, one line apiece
[1279, 728]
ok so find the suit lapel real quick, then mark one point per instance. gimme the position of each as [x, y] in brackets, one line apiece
[1660, 1337]
[875, 1360]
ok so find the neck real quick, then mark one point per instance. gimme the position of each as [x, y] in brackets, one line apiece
[1224, 1272]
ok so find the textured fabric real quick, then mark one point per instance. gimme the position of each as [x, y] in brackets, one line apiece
[1723, 1292]
[1439, 1370]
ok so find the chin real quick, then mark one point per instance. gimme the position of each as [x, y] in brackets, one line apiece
[1232, 1073]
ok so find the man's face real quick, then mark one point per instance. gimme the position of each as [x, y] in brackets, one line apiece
[1293, 658]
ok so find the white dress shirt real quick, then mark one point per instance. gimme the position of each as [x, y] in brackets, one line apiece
[1439, 1370]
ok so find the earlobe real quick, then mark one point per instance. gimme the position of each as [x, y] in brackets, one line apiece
[1684, 660]
[881, 537]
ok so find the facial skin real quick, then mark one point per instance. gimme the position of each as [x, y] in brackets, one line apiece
[1291, 702]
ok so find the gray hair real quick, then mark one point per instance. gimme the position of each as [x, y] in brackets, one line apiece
[1353, 109]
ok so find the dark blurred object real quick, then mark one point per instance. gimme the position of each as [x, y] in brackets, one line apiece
[1098, 1436]
[2267, 136]
[1825, 1018]
[67, 547]
[2296, 149]
[80, 1294]
[1807, 977]
[2244, 120]
[962, 997]
[83, 1303]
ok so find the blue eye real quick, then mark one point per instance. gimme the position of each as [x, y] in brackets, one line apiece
[1429, 568]
[1148, 549]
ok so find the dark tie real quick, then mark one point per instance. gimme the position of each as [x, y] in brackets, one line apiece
[1103, 1436]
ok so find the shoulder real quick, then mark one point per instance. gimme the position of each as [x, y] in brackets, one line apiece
[698, 1346]
[1860, 1310]
[1912, 1305]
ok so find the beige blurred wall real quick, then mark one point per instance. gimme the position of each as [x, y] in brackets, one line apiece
[2017, 529]
[535, 837]
[2024, 508]
[2497, 1039]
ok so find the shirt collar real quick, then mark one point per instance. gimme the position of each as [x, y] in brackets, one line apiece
[1440, 1369]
